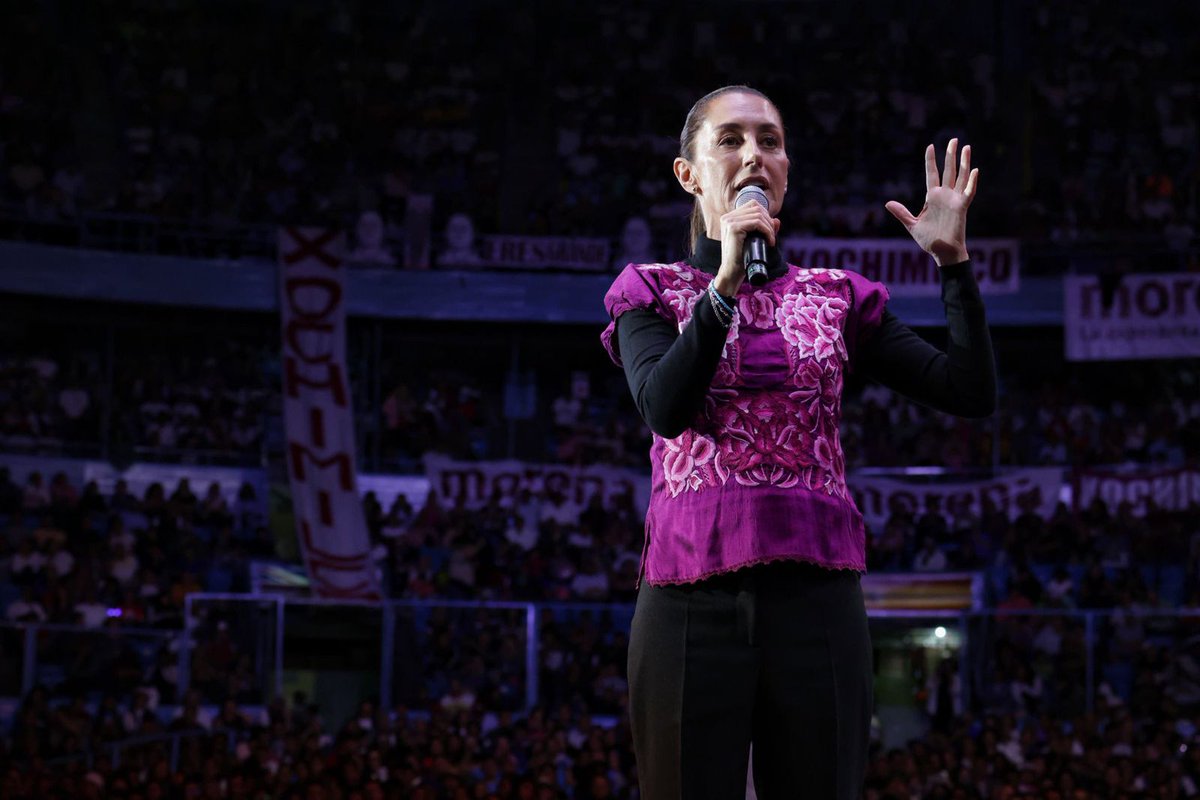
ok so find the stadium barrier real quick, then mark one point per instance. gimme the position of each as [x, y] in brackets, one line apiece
[409, 654]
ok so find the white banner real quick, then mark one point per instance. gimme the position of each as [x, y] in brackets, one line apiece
[1150, 316]
[1169, 489]
[906, 269]
[318, 416]
[874, 495]
[545, 252]
[475, 481]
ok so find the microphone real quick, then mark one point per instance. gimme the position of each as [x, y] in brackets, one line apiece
[754, 250]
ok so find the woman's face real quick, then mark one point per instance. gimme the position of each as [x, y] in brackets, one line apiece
[739, 143]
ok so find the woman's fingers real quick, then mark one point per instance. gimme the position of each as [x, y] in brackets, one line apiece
[752, 217]
[901, 213]
[931, 174]
[964, 169]
[956, 172]
[972, 183]
[950, 173]
[768, 225]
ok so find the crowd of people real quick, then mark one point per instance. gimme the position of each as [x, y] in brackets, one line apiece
[215, 399]
[64, 544]
[553, 752]
[119, 562]
[51, 396]
[208, 402]
[1087, 117]
[77, 556]
[1082, 415]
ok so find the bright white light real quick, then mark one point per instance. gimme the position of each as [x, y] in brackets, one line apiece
[939, 632]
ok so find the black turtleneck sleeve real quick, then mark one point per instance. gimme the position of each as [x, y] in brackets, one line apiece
[669, 373]
[962, 379]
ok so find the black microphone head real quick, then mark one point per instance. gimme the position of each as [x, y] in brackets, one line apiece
[751, 194]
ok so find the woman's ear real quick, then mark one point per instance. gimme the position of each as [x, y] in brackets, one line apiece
[685, 176]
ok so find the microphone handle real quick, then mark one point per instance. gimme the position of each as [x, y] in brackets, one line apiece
[754, 257]
[756, 273]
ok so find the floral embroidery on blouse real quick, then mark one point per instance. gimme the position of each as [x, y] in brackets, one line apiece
[683, 302]
[759, 438]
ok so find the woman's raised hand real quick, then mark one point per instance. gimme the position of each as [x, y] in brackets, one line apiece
[941, 227]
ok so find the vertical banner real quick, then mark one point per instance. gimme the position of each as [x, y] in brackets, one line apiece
[318, 417]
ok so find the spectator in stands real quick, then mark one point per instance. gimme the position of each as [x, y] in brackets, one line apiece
[26, 608]
[37, 494]
[930, 557]
[28, 565]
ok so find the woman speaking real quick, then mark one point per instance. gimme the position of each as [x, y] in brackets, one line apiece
[750, 624]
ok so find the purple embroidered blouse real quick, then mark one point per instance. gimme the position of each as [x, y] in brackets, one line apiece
[759, 475]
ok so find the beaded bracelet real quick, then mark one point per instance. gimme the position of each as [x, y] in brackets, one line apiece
[717, 296]
[722, 310]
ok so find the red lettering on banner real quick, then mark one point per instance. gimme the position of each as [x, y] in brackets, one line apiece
[1089, 295]
[512, 250]
[900, 264]
[1152, 307]
[1149, 297]
[316, 426]
[299, 452]
[457, 483]
[1000, 266]
[870, 263]
[913, 267]
[326, 508]
[324, 583]
[1093, 306]
[331, 288]
[310, 547]
[1181, 285]
[293, 380]
[907, 498]
[506, 484]
[1172, 490]
[322, 563]
[322, 334]
[312, 248]
[473, 485]
[316, 390]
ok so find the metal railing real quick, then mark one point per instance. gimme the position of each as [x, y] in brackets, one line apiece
[53, 654]
[407, 652]
[984, 640]
[116, 748]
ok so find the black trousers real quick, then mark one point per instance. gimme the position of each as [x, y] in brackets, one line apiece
[778, 655]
